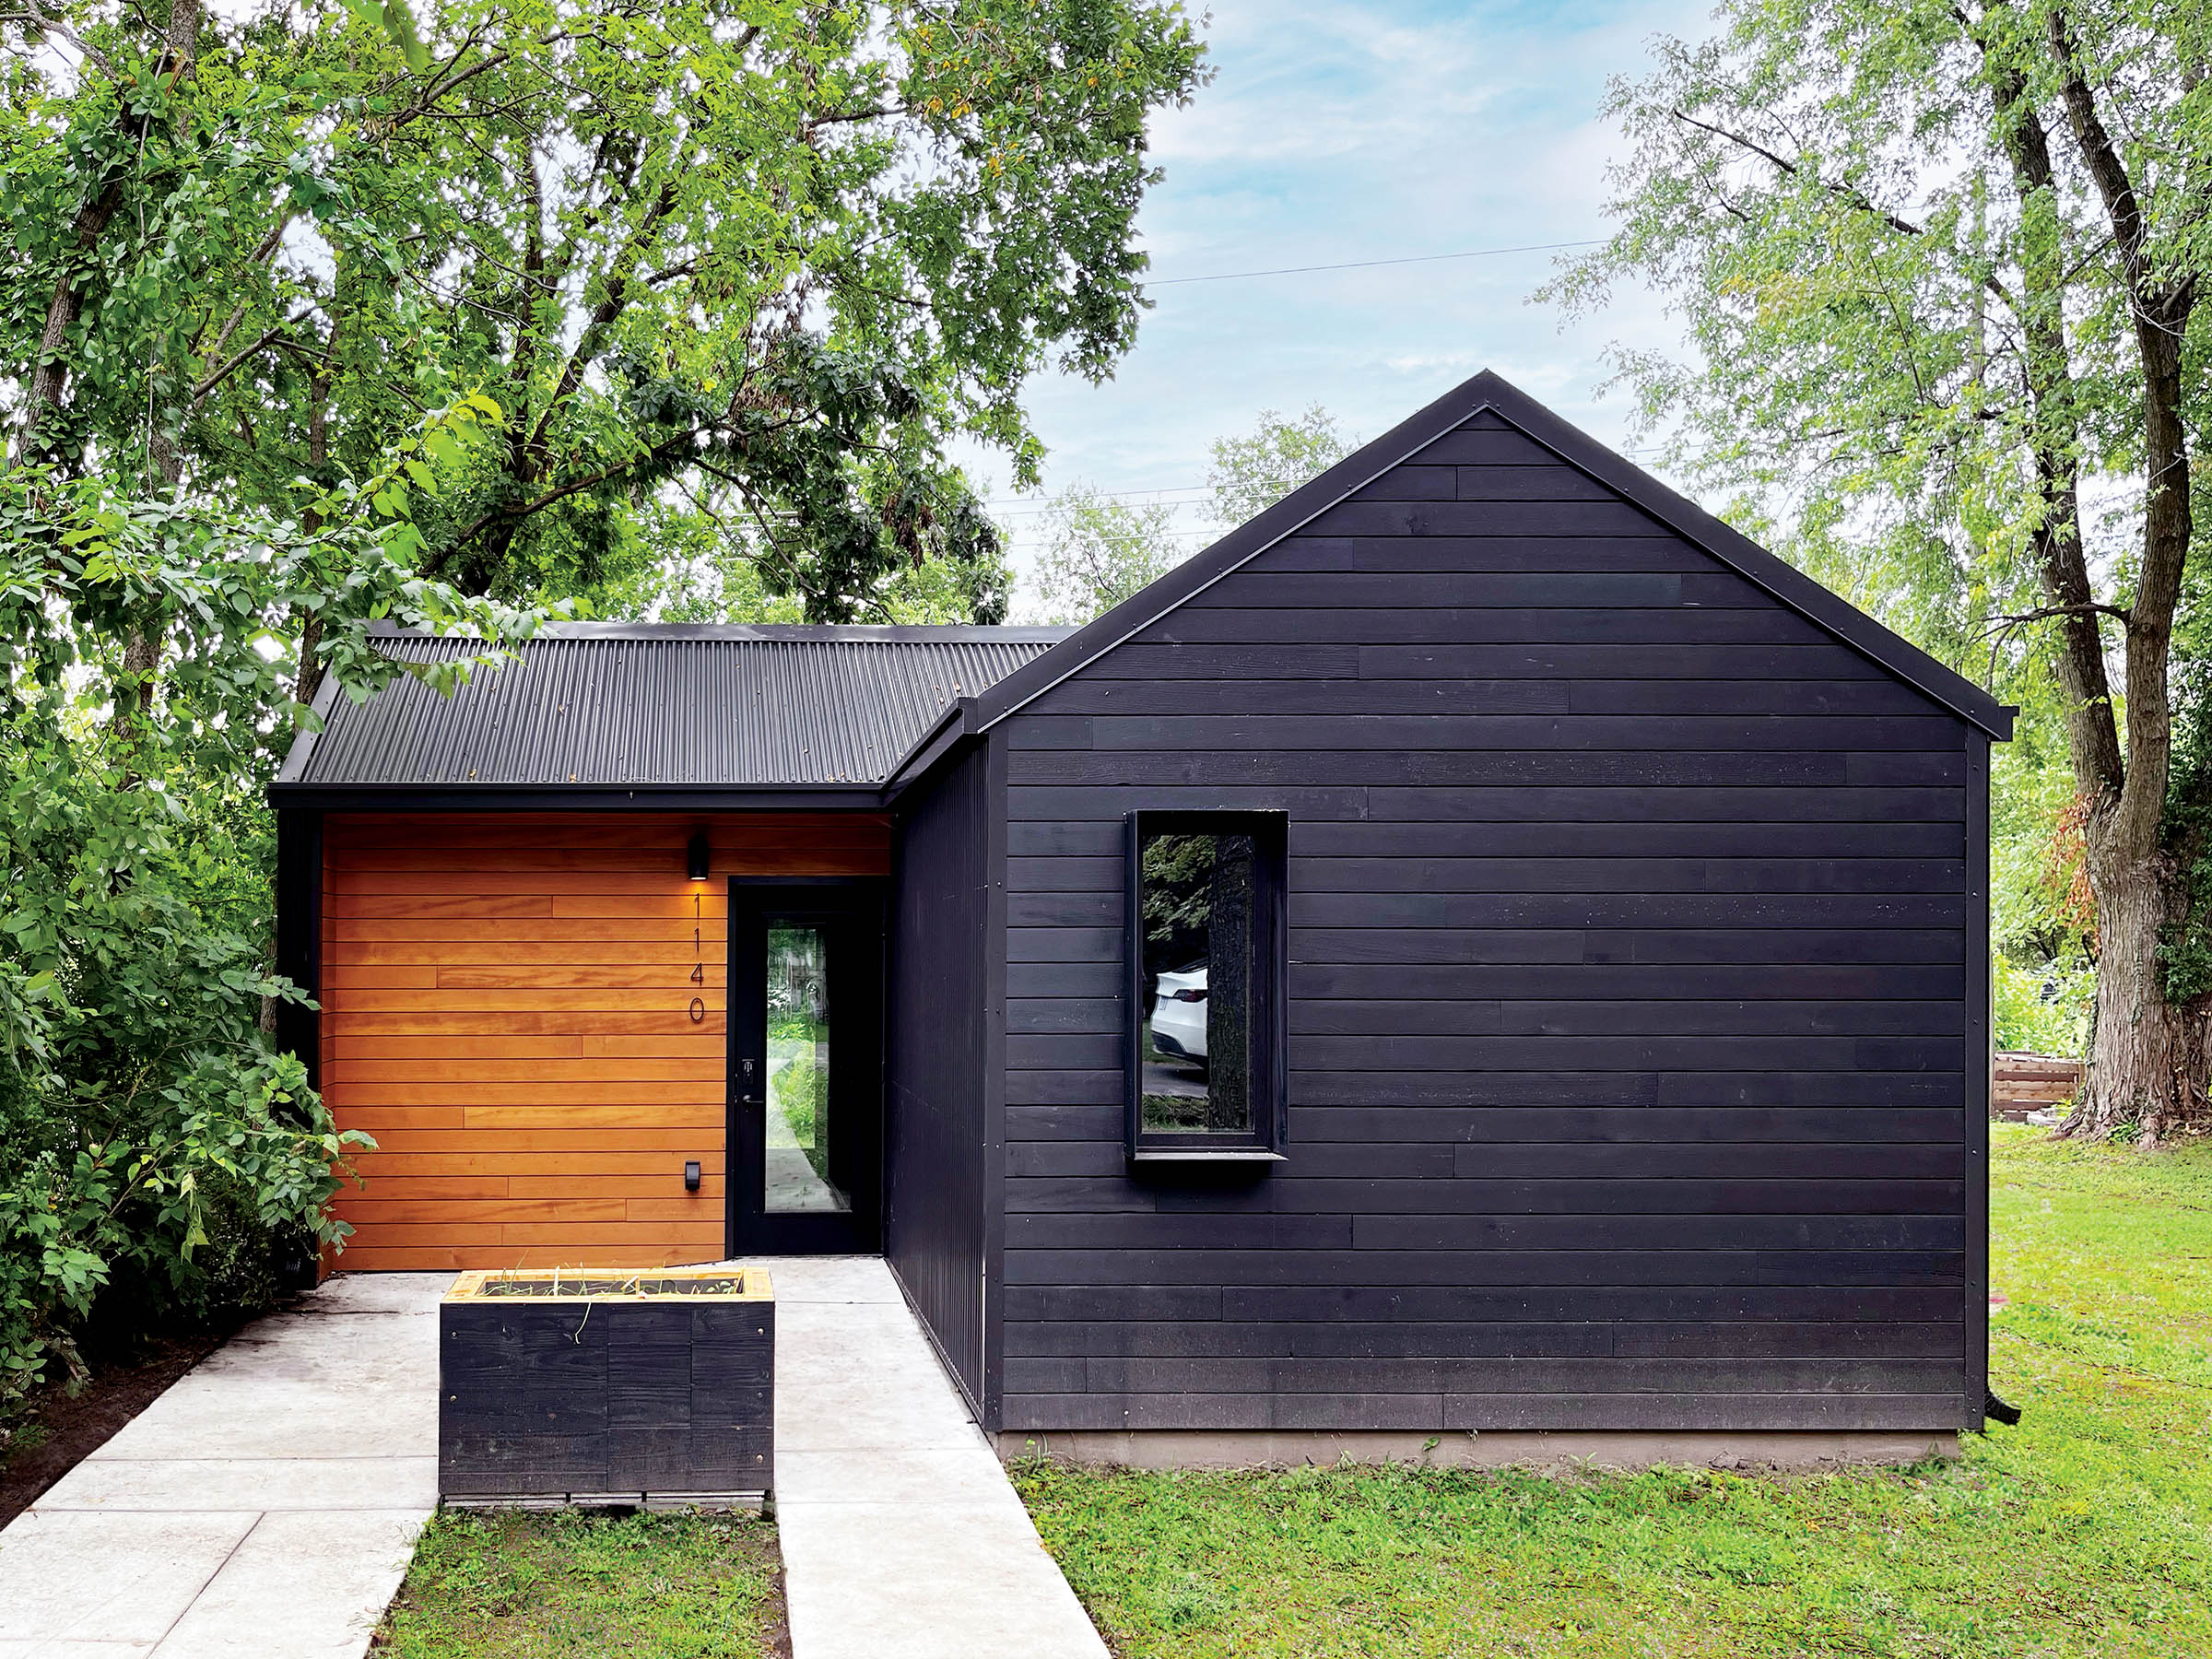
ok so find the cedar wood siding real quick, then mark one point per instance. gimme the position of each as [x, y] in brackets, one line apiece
[506, 1008]
[1630, 916]
[934, 1180]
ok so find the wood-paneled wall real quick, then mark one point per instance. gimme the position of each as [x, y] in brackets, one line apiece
[506, 1007]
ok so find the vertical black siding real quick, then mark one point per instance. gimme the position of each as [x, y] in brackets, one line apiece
[300, 931]
[996, 1009]
[1634, 924]
[1979, 1061]
[934, 1180]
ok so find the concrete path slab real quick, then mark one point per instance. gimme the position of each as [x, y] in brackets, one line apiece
[266, 1504]
[900, 1532]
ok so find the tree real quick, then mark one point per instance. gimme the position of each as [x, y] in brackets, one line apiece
[153, 1139]
[763, 261]
[1940, 266]
[688, 567]
[1250, 473]
[1101, 549]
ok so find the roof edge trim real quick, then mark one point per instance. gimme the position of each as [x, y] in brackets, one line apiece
[576, 798]
[928, 749]
[1487, 390]
[1818, 604]
[303, 750]
[900, 633]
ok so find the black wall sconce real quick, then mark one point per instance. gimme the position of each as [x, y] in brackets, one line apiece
[697, 856]
[691, 1176]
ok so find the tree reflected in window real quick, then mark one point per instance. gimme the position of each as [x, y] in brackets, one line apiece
[1205, 931]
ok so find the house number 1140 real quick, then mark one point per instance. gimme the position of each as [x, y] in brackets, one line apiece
[699, 969]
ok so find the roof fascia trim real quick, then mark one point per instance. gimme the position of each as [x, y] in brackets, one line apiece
[579, 797]
[1780, 577]
[1488, 389]
[930, 748]
[302, 751]
[1228, 555]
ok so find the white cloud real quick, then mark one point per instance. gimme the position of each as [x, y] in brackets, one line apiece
[1336, 133]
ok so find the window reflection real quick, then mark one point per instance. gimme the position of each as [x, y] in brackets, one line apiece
[1196, 893]
[795, 1163]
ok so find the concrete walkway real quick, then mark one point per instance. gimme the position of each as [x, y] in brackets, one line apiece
[900, 1532]
[266, 1505]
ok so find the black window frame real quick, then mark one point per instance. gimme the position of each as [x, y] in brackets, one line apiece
[1269, 1058]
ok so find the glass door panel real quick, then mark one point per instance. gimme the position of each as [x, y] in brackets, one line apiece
[805, 1072]
[795, 1170]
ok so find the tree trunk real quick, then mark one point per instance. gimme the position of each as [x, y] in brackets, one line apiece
[49, 376]
[2146, 1056]
[131, 704]
[1229, 1103]
[2146, 1061]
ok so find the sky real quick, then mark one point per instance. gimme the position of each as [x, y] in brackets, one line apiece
[1338, 132]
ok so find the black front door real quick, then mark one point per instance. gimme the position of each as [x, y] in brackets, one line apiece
[806, 1133]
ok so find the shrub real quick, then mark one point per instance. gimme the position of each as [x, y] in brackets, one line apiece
[154, 1142]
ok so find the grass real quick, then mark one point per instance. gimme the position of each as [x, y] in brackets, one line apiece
[2086, 1530]
[514, 1586]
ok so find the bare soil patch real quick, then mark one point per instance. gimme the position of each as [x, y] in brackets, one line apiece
[59, 1430]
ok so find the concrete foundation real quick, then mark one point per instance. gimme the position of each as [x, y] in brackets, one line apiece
[1552, 1454]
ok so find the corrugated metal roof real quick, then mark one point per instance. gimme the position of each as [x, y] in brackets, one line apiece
[634, 705]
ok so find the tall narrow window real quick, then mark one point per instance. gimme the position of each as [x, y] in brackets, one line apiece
[1204, 1063]
[797, 1172]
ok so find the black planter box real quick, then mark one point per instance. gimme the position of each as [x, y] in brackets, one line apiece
[607, 1387]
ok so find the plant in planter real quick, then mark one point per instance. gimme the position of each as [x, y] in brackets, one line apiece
[581, 1386]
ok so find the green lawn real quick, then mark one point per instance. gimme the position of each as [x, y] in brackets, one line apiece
[521, 1586]
[2086, 1530]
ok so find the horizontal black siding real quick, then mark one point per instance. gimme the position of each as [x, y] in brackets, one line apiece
[1628, 994]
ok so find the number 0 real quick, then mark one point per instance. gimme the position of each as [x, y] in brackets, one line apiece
[699, 1012]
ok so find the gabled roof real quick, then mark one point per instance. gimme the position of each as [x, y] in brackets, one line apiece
[618, 709]
[1403, 443]
[596, 706]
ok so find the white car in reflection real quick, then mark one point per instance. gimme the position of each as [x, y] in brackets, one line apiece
[1179, 1014]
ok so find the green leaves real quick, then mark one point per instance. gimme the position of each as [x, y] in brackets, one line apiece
[149, 1134]
[397, 21]
[683, 242]
[1101, 549]
[1913, 360]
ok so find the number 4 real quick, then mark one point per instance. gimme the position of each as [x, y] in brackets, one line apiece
[699, 973]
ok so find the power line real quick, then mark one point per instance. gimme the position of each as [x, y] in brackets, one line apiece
[1043, 506]
[1031, 507]
[1036, 506]
[1364, 265]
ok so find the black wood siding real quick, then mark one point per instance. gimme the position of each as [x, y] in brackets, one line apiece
[299, 934]
[1632, 1080]
[934, 1183]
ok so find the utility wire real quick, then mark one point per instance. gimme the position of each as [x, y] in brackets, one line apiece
[1036, 506]
[1364, 264]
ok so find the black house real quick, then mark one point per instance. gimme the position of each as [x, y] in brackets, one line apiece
[1482, 948]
